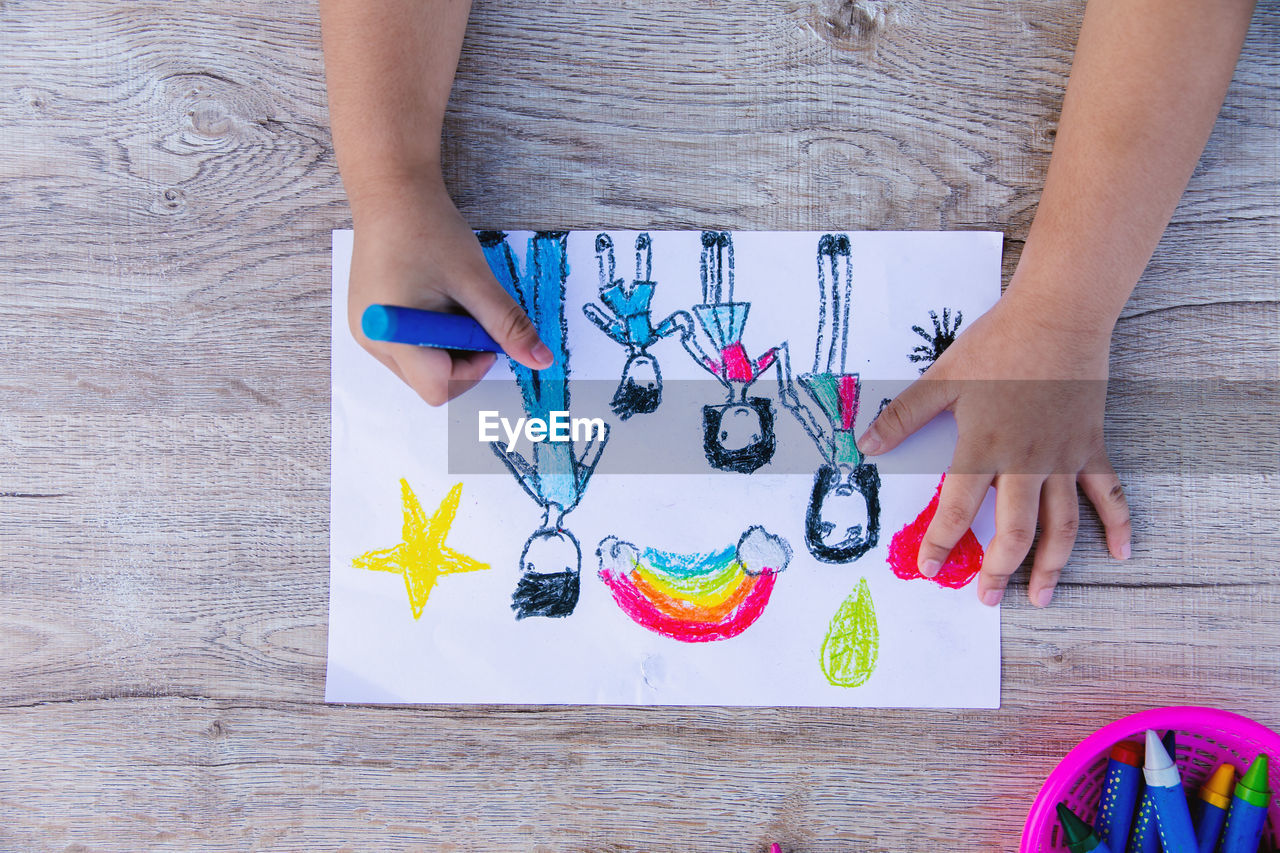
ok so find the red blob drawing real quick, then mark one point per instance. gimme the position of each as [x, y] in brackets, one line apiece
[904, 551]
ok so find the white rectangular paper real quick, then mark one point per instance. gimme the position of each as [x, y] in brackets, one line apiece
[935, 646]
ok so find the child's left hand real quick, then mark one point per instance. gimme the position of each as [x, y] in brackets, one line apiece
[1028, 395]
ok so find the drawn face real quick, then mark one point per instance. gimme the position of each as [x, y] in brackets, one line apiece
[842, 516]
[739, 427]
[550, 552]
[641, 371]
[843, 519]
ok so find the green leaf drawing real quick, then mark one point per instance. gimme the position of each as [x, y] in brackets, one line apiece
[852, 645]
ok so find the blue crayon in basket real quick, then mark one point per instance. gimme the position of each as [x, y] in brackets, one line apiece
[1173, 818]
[1215, 798]
[1144, 837]
[1120, 789]
[1248, 813]
[399, 325]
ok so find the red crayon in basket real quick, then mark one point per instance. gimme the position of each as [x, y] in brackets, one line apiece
[1120, 790]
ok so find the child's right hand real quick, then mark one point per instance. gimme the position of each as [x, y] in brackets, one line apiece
[413, 248]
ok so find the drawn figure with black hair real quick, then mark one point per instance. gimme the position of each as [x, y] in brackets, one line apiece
[557, 476]
[843, 519]
[737, 434]
[630, 324]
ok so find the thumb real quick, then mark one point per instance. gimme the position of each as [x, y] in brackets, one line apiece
[506, 322]
[906, 413]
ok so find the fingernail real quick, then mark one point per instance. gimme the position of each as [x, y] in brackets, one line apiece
[1043, 597]
[929, 568]
[870, 443]
[541, 354]
[992, 597]
[1126, 551]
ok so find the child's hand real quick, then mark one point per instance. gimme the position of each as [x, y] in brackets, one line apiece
[1028, 397]
[414, 249]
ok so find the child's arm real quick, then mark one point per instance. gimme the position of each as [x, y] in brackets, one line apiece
[389, 65]
[609, 325]
[791, 401]
[682, 322]
[1148, 79]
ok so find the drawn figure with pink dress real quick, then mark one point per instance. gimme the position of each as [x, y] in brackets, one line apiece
[738, 434]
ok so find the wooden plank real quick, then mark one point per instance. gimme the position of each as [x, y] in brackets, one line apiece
[181, 774]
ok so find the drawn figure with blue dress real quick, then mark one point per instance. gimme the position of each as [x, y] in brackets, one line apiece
[558, 474]
[843, 519]
[737, 434]
[629, 322]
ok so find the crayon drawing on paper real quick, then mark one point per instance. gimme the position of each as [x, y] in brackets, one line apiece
[676, 511]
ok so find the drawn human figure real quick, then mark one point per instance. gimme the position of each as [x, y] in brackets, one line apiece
[557, 475]
[843, 518]
[630, 323]
[737, 434]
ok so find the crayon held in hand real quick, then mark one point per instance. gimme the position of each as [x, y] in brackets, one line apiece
[399, 325]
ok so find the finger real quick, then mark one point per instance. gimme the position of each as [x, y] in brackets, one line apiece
[1017, 499]
[906, 413]
[504, 319]
[1102, 487]
[426, 371]
[468, 369]
[381, 353]
[958, 503]
[1059, 523]
[465, 370]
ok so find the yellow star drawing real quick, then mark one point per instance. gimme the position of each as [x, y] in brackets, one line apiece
[422, 557]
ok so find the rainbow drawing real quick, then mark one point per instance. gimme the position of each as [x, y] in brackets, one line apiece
[694, 598]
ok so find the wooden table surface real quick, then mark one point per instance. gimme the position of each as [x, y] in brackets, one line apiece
[167, 190]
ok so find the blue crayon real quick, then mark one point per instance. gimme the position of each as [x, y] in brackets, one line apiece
[1215, 798]
[1119, 794]
[1248, 813]
[398, 325]
[1173, 818]
[1144, 837]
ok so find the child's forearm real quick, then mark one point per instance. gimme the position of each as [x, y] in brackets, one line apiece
[1148, 79]
[389, 66]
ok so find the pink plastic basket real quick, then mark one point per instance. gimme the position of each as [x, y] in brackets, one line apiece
[1206, 738]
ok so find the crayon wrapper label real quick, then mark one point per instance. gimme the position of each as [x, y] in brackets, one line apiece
[1173, 820]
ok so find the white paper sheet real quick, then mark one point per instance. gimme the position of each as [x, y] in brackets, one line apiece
[937, 647]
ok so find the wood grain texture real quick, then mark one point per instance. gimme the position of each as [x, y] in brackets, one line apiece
[167, 189]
